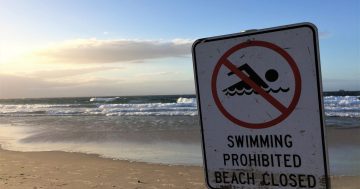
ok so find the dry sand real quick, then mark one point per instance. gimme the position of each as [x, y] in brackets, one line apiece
[35, 170]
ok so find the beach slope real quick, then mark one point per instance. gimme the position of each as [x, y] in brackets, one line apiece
[35, 170]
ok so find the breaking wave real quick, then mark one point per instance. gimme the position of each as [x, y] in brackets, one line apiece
[103, 99]
[335, 106]
[104, 107]
[342, 106]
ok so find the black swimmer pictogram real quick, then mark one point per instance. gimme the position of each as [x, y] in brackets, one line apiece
[242, 88]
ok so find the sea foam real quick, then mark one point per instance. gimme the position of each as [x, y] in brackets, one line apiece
[105, 107]
[342, 106]
[335, 106]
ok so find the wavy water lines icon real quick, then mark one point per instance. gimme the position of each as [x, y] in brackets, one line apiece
[242, 88]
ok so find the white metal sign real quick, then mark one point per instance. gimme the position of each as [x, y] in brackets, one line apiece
[260, 106]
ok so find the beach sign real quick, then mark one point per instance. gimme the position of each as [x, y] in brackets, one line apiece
[260, 105]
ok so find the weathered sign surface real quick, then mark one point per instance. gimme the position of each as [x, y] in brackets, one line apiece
[260, 106]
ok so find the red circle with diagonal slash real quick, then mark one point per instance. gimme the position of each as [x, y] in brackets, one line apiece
[285, 111]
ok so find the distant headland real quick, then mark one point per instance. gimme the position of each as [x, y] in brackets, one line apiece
[341, 93]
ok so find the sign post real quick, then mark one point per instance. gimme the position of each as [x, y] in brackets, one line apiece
[260, 107]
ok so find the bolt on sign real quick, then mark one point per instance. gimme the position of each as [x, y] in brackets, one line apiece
[260, 107]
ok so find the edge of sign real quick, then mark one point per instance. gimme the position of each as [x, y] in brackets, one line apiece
[321, 104]
[199, 109]
[319, 85]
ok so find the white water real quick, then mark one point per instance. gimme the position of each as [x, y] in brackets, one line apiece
[183, 106]
[335, 106]
[342, 106]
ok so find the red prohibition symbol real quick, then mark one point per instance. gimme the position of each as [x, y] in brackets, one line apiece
[285, 110]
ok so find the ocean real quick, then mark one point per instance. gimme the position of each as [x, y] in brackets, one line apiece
[153, 129]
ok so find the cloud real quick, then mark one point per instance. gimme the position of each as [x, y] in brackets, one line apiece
[157, 74]
[92, 51]
[12, 86]
[180, 41]
[70, 72]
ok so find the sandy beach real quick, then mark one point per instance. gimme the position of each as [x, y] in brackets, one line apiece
[35, 170]
[43, 164]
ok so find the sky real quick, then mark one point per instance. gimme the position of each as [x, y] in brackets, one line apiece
[67, 48]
